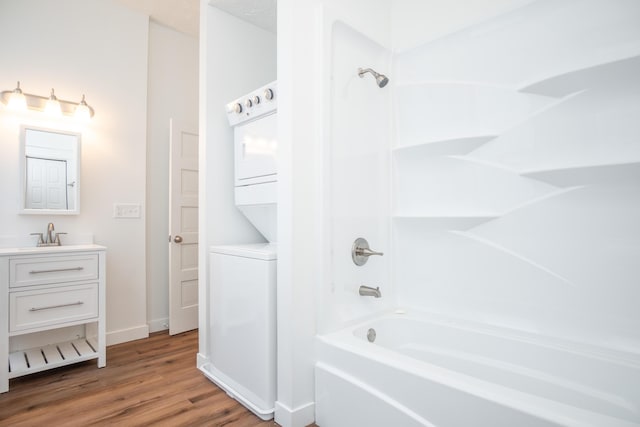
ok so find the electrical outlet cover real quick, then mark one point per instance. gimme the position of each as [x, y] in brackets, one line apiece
[126, 210]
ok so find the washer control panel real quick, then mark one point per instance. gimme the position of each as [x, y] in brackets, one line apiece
[253, 105]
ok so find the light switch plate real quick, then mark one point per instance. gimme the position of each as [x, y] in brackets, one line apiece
[126, 210]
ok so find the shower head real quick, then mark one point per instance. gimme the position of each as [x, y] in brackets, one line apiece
[381, 79]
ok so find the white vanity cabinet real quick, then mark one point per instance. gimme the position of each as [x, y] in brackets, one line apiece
[52, 308]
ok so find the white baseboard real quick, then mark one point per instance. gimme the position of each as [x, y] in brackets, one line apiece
[158, 325]
[201, 360]
[124, 335]
[299, 417]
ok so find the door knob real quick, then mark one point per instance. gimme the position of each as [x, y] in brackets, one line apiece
[177, 239]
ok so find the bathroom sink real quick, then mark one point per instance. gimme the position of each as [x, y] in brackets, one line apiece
[42, 248]
[45, 249]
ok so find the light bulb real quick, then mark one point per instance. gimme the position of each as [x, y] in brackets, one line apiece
[53, 106]
[17, 100]
[82, 110]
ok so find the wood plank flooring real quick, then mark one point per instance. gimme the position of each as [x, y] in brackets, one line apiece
[146, 382]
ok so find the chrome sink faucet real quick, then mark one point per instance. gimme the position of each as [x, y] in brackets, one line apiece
[368, 291]
[50, 229]
[50, 239]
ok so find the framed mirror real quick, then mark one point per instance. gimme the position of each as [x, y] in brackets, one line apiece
[50, 171]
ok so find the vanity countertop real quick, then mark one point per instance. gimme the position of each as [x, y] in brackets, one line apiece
[50, 249]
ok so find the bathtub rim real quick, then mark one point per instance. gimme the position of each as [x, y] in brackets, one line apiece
[621, 357]
[556, 412]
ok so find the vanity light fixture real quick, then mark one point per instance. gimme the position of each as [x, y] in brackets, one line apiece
[52, 107]
[83, 111]
[19, 101]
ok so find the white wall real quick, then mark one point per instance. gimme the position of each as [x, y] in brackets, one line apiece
[297, 216]
[172, 93]
[517, 163]
[99, 49]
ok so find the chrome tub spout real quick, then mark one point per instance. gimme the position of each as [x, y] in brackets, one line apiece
[367, 291]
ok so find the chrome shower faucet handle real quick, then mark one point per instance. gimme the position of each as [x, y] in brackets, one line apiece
[360, 251]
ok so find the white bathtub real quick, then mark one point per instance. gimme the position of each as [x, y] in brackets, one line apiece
[424, 370]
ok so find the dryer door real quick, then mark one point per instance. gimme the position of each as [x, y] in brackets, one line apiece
[255, 151]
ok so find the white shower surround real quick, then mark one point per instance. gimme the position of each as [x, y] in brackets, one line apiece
[515, 183]
[356, 150]
[517, 172]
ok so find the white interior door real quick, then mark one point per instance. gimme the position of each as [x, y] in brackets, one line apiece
[183, 228]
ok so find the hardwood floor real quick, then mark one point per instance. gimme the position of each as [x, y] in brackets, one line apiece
[147, 382]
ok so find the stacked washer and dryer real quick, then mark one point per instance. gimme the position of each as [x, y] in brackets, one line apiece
[243, 277]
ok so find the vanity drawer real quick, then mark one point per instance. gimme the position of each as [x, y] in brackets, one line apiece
[53, 306]
[43, 270]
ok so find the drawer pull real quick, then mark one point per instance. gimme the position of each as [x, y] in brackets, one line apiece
[56, 306]
[56, 270]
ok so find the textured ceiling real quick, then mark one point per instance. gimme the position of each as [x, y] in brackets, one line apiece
[261, 13]
[183, 15]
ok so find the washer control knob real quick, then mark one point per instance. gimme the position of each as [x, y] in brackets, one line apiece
[268, 94]
[256, 100]
[237, 108]
[248, 103]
